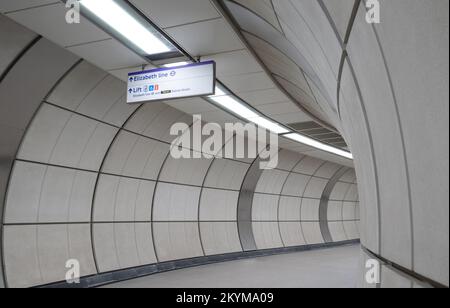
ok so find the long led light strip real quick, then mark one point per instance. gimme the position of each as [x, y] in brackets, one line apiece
[318, 145]
[121, 21]
[232, 104]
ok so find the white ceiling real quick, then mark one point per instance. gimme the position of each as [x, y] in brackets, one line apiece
[196, 25]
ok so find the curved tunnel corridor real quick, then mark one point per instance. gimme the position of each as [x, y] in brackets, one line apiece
[86, 176]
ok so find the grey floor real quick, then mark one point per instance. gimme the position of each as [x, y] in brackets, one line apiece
[323, 268]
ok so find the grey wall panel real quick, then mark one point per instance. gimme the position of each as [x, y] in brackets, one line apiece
[15, 39]
[76, 86]
[337, 231]
[387, 142]
[267, 235]
[315, 188]
[334, 210]
[296, 184]
[22, 262]
[155, 121]
[394, 280]
[226, 174]
[292, 234]
[309, 166]
[220, 237]
[340, 13]
[177, 240]
[271, 181]
[289, 208]
[312, 233]
[357, 132]
[176, 203]
[218, 205]
[123, 199]
[310, 209]
[327, 170]
[185, 171]
[136, 156]
[351, 229]
[415, 82]
[61, 138]
[105, 247]
[287, 160]
[265, 207]
[43, 259]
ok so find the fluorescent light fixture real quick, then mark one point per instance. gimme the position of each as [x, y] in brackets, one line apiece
[269, 125]
[218, 92]
[234, 106]
[318, 145]
[121, 21]
[169, 65]
[243, 111]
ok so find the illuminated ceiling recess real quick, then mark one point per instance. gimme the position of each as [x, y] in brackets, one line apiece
[122, 21]
[130, 27]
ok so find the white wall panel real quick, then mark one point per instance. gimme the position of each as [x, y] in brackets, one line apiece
[311, 231]
[315, 188]
[334, 210]
[76, 86]
[74, 145]
[265, 207]
[220, 237]
[155, 121]
[308, 165]
[271, 181]
[226, 174]
[43, 133]
[126, 245]
[267, 235]
[80, 247]
[176, 240]
[327, 170]
[123, 199]
[176, 203]
[59, 137]
[189, 171]
[66, 195]
[21, 256]
[135, 156]
[295, 184]
[337, 231]
[349, 211]
[291, 233]
[310, 209]
[22, 203]
[105, 247]
[287, 160]
[289, 208]
[340, 190]
[218, 205]
[144, 243]
[351, 229]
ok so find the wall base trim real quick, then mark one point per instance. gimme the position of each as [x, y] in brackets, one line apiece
[147, 270]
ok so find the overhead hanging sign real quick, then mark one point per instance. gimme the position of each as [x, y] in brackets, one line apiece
[191, 80]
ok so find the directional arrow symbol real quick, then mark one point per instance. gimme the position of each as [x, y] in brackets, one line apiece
[130, 91]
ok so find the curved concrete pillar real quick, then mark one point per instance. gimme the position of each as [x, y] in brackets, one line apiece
[371, 81]
[29, 69]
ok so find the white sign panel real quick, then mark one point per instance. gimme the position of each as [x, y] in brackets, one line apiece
[196, 79]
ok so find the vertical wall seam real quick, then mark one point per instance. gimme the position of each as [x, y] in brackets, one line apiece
[8, 182]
